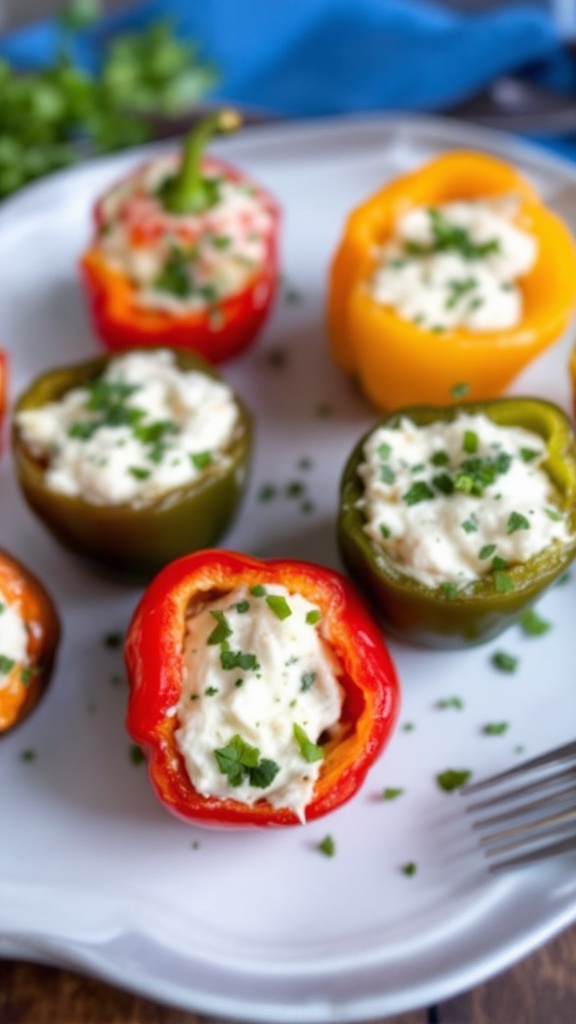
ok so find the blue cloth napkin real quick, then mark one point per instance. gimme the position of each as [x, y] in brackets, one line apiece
[318, 57]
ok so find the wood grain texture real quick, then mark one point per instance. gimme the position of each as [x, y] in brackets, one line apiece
[33, 994]
[539, 990]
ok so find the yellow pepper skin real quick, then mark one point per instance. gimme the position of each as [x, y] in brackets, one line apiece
[397, 362]
[427, 616]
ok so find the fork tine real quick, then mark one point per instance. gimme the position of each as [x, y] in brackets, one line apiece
[529, 831]
[531, 856]
[551, 757]
[537, 786]
[533, 819]
[558, 798]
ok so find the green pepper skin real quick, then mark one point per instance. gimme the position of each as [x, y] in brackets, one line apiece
[128, 543]
[426, 616]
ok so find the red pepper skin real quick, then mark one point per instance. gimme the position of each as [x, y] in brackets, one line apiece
[153, 655]
[34, 604]
[121, 323]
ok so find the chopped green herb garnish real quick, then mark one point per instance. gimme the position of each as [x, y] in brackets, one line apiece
[503, 583]
[453, 778]
[277, 357]
[459, 390]
[495, 728]
[409, 869]
[201, 460]
[532, 624]
[553, 514]
[516, 521]
[307, 681]
[237, 659]
[6, 664]
[498, 563]
[470, 442]
[136, 754]
[384, 531]
[28, 672]
[450, 702]
[175, 277]
[505, 662]
[266, 493]
[310, 751]
[139, 472]
[449, 590]
[387, 474]
[221, 241]
[486, 551]
[314, 616]
[113, 640]
[392, 792]
[279, 606]
[440, 459]
[242, 607]
[210, 691]
[28, 755]
[443, 483]
[418, 492]
[384, 451]
[258, 590]
[470, 525]
[295, 489]
[529, 454]
[221, 631]
[240, 762]
[327, 846]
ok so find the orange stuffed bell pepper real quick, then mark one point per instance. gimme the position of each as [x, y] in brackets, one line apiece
[184, 253]
[260, 691]
[447, 282]
[29, 639]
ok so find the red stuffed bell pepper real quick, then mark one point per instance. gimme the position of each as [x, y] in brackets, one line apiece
[260, 691]
[184, 253]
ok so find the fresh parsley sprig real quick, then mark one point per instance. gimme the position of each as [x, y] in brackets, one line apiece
[51, 117]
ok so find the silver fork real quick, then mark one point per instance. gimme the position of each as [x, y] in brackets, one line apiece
[534, 807]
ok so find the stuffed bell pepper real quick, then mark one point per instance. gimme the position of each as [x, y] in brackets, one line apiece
[447, 282]
[260, 691]
[131, 460]
[184, 253]
[29, 638]
[455, 520]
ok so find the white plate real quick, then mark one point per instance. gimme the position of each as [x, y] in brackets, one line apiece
[260, 925]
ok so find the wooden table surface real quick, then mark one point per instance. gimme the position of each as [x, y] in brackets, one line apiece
[539, 990]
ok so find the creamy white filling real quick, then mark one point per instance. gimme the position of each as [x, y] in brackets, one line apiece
[175, 424]
[456, 265]
[13, 639]
[215, 252]
[271, 674]
[436, 537]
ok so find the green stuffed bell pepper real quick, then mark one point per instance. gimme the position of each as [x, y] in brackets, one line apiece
[454, 521]
[132, 460]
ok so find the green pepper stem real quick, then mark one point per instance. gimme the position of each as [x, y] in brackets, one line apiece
[189, 191]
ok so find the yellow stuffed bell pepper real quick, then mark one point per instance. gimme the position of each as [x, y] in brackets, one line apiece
[399, 361]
